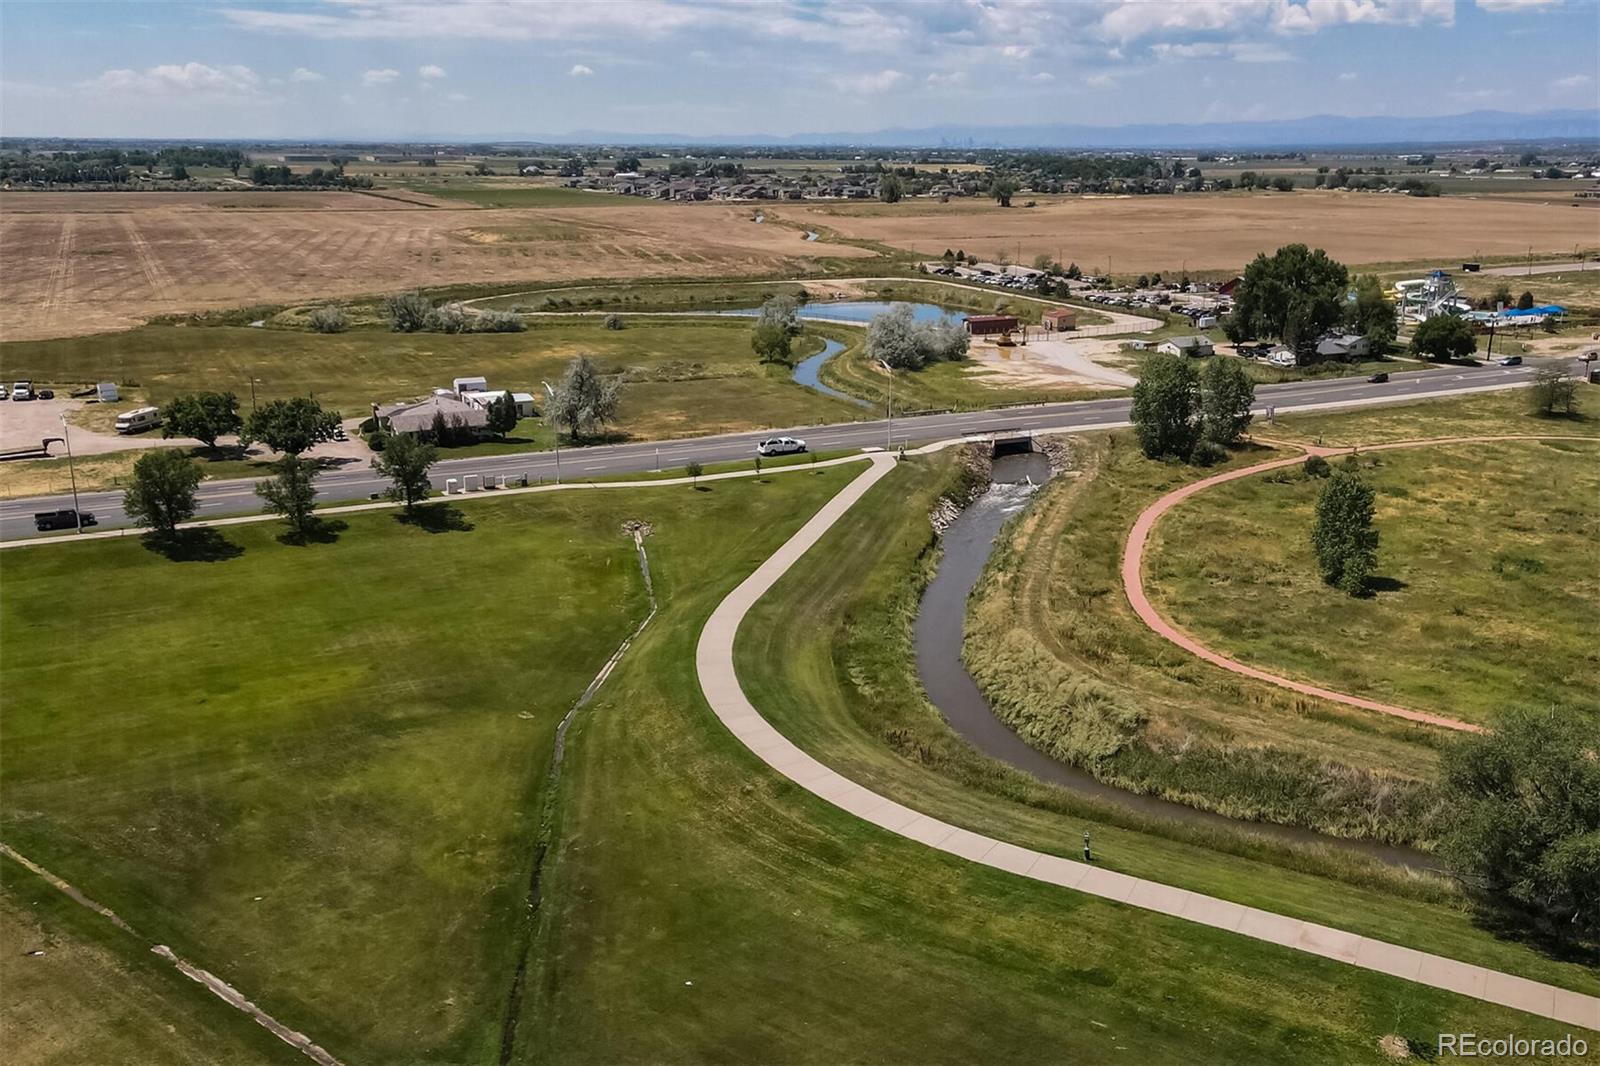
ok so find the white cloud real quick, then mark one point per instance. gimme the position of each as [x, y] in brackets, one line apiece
[1568, 84]
[880, 82]
[379, 77]
[1016, 51]
[1100, 81]
[1515, 5]
[171, 79]
[1134, 19]
[580, 71]
[456, 98]
[301, 74]
[955, 77]
[1315, 15]
[431, 71]
[1348, 75]
[1238, 51]
[1041, 76]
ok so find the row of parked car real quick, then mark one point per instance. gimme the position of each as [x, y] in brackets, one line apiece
[23, 390]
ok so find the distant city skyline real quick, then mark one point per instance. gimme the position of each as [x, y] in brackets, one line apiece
[394, 69]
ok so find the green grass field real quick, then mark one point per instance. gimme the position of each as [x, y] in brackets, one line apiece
[758, 922]
[319, 771]
[1484, 567]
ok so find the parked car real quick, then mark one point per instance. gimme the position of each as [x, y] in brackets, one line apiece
[47, 394]
[22, 390]
[780, 446]
[1379, 378]
[5, 393]
[1511, 360]
[65, 519]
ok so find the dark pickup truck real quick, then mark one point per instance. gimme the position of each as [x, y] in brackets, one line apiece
[68, 519]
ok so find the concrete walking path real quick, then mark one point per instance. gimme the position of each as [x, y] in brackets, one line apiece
[1133, 557]
[718, 681]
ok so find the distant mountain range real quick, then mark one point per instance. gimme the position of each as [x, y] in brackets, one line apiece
[1313, 132]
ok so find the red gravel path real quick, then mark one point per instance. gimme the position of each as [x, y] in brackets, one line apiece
[1133, 578]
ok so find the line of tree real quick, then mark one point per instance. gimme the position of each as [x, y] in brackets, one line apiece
[412, 312]
[898, 339]
[315, 178]
[1180, 412]
[205, 416]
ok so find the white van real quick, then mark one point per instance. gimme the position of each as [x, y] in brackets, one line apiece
[139, 420]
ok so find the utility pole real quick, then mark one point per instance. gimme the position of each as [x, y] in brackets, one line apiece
[888, 438]
[77, 513]
[551, 394]
[252, 394]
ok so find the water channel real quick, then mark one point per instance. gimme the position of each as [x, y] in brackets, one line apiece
[940, 619]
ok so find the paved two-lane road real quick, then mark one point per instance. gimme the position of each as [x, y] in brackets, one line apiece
[219, 498]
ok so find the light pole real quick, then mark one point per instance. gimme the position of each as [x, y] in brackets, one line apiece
[252, 394]
[888, 437]
[66, 438]
[550, 393]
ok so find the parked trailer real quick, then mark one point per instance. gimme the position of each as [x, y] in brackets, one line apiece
[138, 420]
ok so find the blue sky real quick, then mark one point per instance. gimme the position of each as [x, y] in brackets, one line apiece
[395, 68]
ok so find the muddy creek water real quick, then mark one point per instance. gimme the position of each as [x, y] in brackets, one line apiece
[967, 545]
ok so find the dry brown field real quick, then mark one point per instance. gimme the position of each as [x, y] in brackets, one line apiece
[1215, 232]
[76, 263]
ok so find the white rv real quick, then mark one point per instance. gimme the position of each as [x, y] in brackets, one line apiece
[138, 420]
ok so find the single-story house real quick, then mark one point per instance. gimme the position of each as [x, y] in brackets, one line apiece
[419, 417]
[1060, 318]
[1283, 356]
[989, 325]
[1190, 346]
[485, 397]
[1344, 346]
[462, 385]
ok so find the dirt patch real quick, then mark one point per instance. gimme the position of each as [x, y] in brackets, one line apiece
[1050, 364]
[1208, 232]
[76, 263]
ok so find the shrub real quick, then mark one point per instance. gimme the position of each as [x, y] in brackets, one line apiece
[1316, 466]
[329, 319]
[408, 311]
[450, 318]
[497, 322]
[1208, 452]
[613, 321]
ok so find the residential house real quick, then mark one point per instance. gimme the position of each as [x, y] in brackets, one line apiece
[1345, 346]
[485, 397]
[418, 418]
[1195, 347]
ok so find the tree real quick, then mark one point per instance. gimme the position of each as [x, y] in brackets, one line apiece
[891, 189]
[781, 311]
[1226, 393]
[694, 470]
[1525, 301]
[1444, 337]
[1501, 298]
[180, 172]
[585, 400]
[1371, 313]
[1523, 803]
[408, 311]
[289, 426]
[290, 492]
[1283, 184]
[161, 494]
[1296, 295]
[1166, 400]
[405, 461]
[1554, 392]
[892, 337]
[1003, 189]
[205, 416]
[1343, 536]
[772, 343]
[502, 414]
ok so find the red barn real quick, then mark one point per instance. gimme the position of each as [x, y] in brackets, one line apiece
[989, 325]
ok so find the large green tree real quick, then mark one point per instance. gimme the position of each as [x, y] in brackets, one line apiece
[1226, 393]
[1444, 337]
[771, 343]
[1295, 295]
[405, 461]
[1554, 392]
[1371, 313]
[1166, 407]
[502, 414]
[1524, 810]
[205, 416]
[1003, 188]
[162, 492]
[585, 399]
[1343, 536]
[289, 426]
[290, 492]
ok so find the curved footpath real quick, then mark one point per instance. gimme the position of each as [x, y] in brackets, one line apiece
[1133, 557]
[720, 684]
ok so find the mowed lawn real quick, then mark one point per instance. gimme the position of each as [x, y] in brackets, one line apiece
[319, 771]
[702, 909]
[682, 377]
[1485, 596]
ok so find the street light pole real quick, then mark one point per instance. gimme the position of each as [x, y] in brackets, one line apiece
[888, 437]
[550, 393]
[66, 437]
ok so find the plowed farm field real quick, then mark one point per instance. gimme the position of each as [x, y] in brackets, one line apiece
[1209, 231]
[76, 263]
